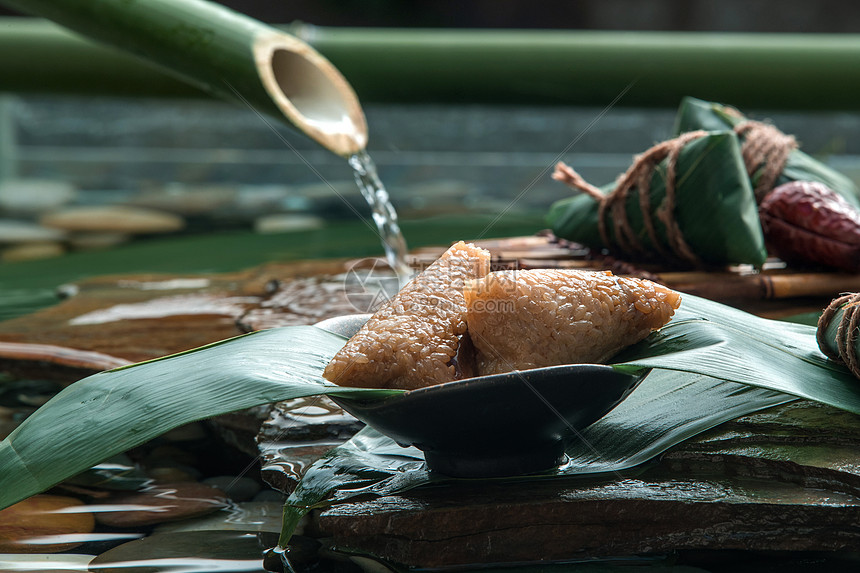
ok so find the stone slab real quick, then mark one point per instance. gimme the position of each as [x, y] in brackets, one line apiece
[784, 480]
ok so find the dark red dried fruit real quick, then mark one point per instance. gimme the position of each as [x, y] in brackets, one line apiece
[806, 222]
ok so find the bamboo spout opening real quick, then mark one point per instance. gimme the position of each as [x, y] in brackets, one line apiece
[311, 93]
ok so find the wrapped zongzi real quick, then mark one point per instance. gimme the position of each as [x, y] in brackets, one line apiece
[685, 201]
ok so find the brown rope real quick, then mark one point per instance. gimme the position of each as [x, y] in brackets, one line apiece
[765, 150]
[846, 332]
[638, 177]
[764, 147]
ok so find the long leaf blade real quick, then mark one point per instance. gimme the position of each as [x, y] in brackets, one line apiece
[666, 409]
[113, 411]
[712, 339]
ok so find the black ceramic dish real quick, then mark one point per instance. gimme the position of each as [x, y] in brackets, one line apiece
[506, 424]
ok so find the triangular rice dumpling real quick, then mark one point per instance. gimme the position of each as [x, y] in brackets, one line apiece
[411, 341]
[530, 319]
[713, 209]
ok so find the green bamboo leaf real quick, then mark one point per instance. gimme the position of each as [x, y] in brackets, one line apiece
[358, 467]
[712, 339]
[110, 412]
[668, 408]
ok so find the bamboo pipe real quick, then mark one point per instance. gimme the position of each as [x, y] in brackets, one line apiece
[776, 71]
[38, 56]
[225, 54]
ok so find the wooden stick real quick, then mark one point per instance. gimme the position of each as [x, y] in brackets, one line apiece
[72, 357]
[762, 286]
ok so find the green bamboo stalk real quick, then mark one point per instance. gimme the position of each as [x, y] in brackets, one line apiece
[38, 56]
[224, 54]
[776, 71]
[788, 71]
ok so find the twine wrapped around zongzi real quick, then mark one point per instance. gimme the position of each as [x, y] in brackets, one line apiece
[638, 178]
[845, 342]
[767, 149]
[684, 202]
[771, 157]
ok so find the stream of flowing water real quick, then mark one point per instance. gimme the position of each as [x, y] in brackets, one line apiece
[384, 214]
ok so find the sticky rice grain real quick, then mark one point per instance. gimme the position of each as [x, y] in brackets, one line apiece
[529, 319]
[410, 341]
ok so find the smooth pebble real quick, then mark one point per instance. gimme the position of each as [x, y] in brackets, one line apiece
[29, 525]
[114, 219]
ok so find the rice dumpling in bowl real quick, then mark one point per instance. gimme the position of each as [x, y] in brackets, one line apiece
[410, 342]
[499, 365]
[520, 320]
[458, 317]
